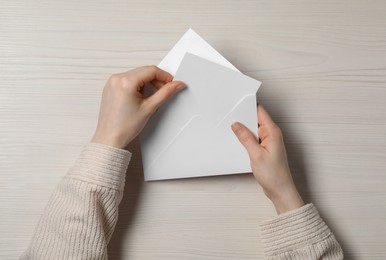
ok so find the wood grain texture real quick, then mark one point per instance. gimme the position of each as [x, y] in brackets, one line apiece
[323, 68]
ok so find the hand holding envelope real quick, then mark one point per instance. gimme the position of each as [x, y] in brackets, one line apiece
[190, 136]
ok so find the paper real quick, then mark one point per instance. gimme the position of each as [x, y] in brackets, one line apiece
[191, 42]
[191, 135]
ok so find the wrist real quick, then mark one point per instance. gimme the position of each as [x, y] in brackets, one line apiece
[110, 141]
[287, 200]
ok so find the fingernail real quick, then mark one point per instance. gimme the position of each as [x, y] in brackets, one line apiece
[236, 127]
[180, 85]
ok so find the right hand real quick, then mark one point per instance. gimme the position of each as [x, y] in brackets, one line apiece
[269, 162]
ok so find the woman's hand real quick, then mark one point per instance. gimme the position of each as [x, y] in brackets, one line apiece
[269, 162]
[124, 110]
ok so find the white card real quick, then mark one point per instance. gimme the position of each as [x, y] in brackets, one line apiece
[191, 135]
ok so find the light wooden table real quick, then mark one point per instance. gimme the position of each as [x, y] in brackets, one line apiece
[323, 68]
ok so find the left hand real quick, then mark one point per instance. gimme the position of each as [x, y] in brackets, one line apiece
[124, 110]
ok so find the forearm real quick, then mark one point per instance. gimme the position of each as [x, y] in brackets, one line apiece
[82, 212]
[299, 234]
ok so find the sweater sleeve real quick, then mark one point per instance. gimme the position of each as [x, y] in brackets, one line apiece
[299, 234]
[81, 214]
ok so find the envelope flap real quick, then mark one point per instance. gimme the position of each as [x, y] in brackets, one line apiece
[193, 43]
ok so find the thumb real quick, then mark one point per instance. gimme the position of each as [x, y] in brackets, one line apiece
[164, 93]
[247, 139]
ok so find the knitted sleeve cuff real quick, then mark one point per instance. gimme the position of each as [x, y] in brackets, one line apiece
[292, 230]
[102, 165]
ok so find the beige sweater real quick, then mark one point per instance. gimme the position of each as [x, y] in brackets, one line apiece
[80, 217]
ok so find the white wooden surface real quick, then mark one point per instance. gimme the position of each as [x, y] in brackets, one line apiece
[323, 67]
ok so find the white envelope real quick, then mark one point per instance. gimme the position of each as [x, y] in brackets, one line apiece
[191, 42]
[191, 136]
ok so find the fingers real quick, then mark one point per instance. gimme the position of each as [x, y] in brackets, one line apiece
[267, 126]
[264, 117]
[158, 84]
[247, 139]
[163, 94]
[146, 74]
